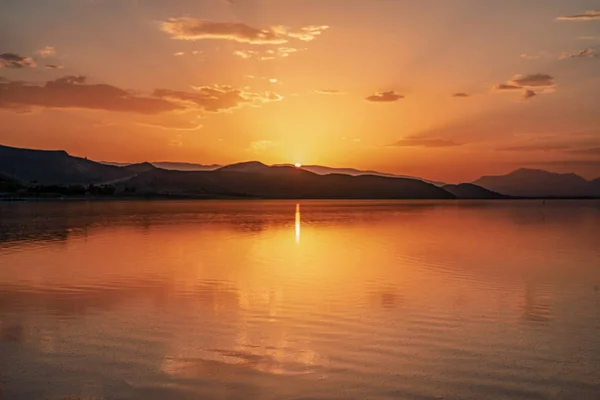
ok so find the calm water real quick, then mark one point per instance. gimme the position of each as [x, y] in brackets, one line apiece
[317, 300]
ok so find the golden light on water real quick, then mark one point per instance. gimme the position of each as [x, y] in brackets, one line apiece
[297, 222]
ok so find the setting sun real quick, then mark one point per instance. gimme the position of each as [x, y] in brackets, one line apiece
[297, 165]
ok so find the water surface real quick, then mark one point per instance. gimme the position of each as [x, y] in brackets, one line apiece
[308, 300]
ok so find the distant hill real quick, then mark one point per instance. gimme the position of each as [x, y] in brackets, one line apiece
[181, 166]
[38, 168]
[256, 180]
[8, 183]
[538, 183]
[247, 167]
[55, 167]
[139, 168]
[470, 191]
[323, 170]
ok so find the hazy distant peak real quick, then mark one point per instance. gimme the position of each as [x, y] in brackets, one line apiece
[246, 166]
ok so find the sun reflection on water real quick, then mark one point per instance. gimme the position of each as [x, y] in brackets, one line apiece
[298, 223]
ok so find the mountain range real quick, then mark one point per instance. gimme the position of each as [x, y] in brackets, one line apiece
[27, 171]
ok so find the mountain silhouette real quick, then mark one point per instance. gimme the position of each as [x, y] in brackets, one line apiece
[323, 170]
[48, 167]
[251, 179]
[257, 180]
[526, 182]
[472, 192]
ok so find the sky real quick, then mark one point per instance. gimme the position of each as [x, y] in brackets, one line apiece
[447, 90]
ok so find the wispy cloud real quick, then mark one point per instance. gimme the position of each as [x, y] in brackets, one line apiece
[15, 61]
[54, 66]
[535, 147]
[385, 97]
[461, 95]
[531, 85]
[592, 151]
[329, 91]
[272, 54]
[424, 141]
[528, 94]
[188, 28]
[75, 92]
[47, 51]
[261, 145]
[584, 16]
[585, 53]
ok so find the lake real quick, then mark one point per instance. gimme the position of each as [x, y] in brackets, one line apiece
[300, 300]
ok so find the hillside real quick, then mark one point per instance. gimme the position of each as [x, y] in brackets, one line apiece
[279, 183]
[55, 167]
[538, 183]
[472, 192]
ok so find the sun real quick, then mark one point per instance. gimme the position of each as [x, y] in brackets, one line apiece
[297, 165]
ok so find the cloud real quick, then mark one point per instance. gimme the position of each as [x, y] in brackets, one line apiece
[74, 92]
[460, 94]
[384, 97]
[179, 54]
[329, 91]
[307, 33]
[173, 127]
[585, 53]
[589, 151]
[535, 147]
[507, 86]
[47, 51]
[216, 98]
[262, 145]
[11, 60]
[424, 141]
[188, 28]
[533, 80]
[281, 52]
[527, 83]
[585, 16]
[528, 94]
[54, 66]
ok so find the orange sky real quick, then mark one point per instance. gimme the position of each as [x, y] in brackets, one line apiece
[446, 90]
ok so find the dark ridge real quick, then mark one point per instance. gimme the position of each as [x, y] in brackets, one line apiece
[139, 168]
[55, 167]
[537, 183]
[472, 192]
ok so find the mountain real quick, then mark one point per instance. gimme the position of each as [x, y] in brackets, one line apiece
[472, 192]
[256, 180]
[538, 183]
[38, 168]
[49, 167]
[8, 184]
[139, 168]
[181, 166]
[323, 170]
[247, 167]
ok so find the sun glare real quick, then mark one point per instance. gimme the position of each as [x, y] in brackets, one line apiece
[297, 165]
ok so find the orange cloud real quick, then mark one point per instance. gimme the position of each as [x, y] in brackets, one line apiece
[216, 98]
[11, 60]
[47, 51]
[584, 16]
[424, 141]
[585, 53]
[384, 97]
[329, 91]
[188, 28]
[75, 92]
